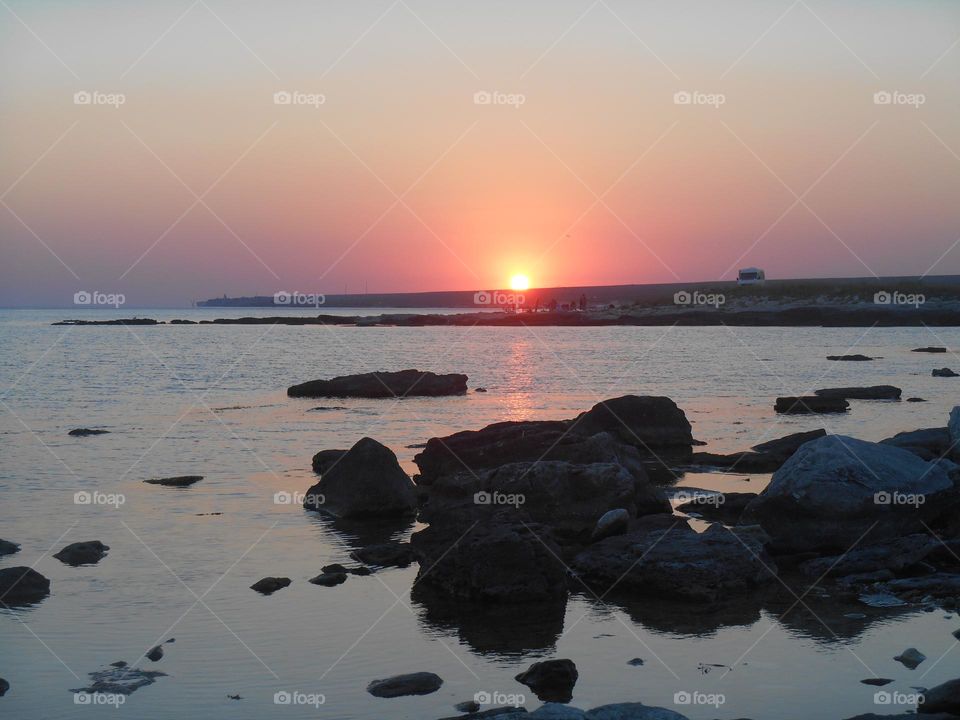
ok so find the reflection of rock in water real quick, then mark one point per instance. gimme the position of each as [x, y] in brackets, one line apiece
[491, 629]
[356, 534]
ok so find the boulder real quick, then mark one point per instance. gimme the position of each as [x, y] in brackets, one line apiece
[82, 553]
[269, 585]
[836, 489]
[8, 548]
[671, 560]
[787, 445]
[612, 522]
[810, 404]
[850, 358]
[405, 383]
[895, 555]
[910, 658]
[326, 459]
[871, 392]
[367, 482]
[551, 680]
[155, 653]
[653, 424]
[927, 443]
[329, 579]
[943, 372]
[944, 698]
[419, 683]
[86, 432]
[498, 558]
[930, 350]
[178, 481]
[388, 554]
[22, 585]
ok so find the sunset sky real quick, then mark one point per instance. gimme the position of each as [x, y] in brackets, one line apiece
[459, 143]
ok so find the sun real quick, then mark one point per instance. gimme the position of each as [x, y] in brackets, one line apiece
[519, 282]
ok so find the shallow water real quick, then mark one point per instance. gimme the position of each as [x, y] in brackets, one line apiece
[211, 400]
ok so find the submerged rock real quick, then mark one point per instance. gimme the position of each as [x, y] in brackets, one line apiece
[269, 585]
[930, 350]
[86, 432]
[911, 658]
[551, 680]
[119, 680]
[404, 383]
[178, 481]
[155, 653]
[944, 372]
[83, 553]
[8, 548]
[366, 482]
[329, 579]
[850, 358]
[4, 686]
[420, 683]
[872, 392]
[22, 585]
[810, 404]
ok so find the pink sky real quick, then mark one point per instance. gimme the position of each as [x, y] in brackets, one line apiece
[400, 181]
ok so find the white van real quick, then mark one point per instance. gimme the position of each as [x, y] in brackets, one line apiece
[751, 276]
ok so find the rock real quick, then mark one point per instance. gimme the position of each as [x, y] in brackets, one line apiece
[367, 482]
[389, 554]
[911, 658]
[938, 585]
[953, 430]
[326, 459]
[480, 390]
[405, 383]
[722, 507]
[636, 662]
[810, 404]
[836, 489]
[338, 568]
[877, 681]
[8, 548]
[612, 522]
[178, 481]
[269, 585]
[787, 445]
[650, 423]
[119, 681]
[557, 711]
[119, 664]
[155, 653]
[872, 392]
[632, 711]
[468, 706]
[86, 432]
[850, 358]
[82, 553]
[569, 498]
[670, 560]
[915, 400]
[551, 680]
[930, 350]
[329, 579]
[943, 372]
[500, 713]
[927, 443]
[420, 683]
[944, 698]
[499, 559]
[895, 554]
[4, 686]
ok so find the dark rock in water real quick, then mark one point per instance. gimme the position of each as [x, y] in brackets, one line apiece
[636, 662]
[723, 507]
[86, 432]
[939, 585]
[480, 390]
[420, 683]
[787, 445]
[325, 408]
[389, 554]
[878, 682]
[837, 490]
[405, 383]
[872, 392]
[21, 584]
[468, 706]
[944, 372]
[499, 558]
[8, 548]
[930, 350]
[927, 443]
[326, 459]
[911, 658]
[944, 698]
[120, 681]
[119, 664]
[670, 560]
[613, 522]
[269, 585]
[498, 713]
[551, 680]
[82, 553]
[810, 404]
[367, 482]
[329, 579]
[895, 554]
[654, 424]
[915, 399]
[632, 711]
[155, 653]
[337, 568]
[740, 461]
[178, 481]
[4, 686]
[850, 358]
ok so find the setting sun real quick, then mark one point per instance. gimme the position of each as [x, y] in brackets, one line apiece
[519, 282]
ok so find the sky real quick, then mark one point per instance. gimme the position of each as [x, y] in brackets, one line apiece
[176, 151]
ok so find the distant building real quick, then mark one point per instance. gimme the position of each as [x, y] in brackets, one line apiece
[751, 276]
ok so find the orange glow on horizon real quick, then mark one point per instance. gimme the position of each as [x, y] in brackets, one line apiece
[519, 282]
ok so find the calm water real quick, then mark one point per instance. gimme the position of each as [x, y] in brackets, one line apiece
[211, 400]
